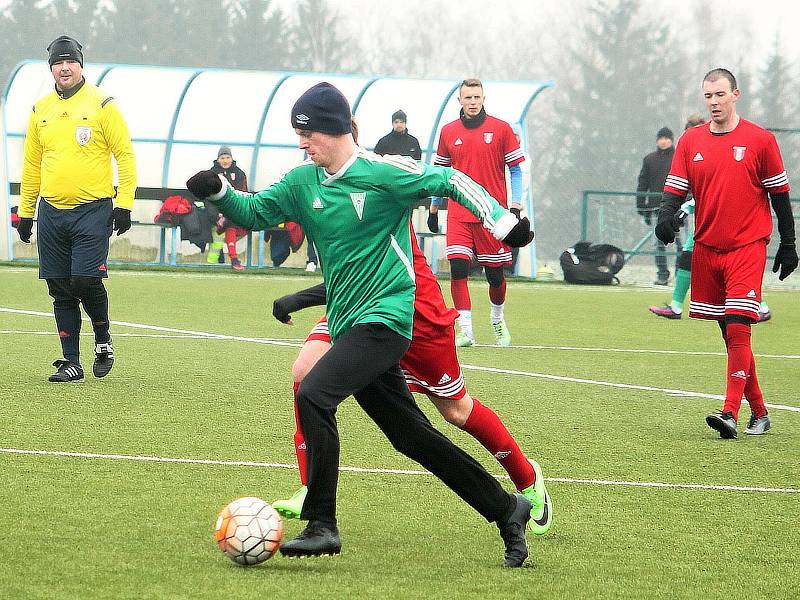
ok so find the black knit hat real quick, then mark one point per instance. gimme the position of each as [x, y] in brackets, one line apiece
[665, 132]
[322, 108]
[64, 48]
[399, 115]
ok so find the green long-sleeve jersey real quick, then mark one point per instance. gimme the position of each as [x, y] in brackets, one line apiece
[359, 221]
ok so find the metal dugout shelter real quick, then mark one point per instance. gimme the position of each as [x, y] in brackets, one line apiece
[178, 118]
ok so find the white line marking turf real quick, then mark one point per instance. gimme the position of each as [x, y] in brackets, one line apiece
[208, 335]
[247, 463]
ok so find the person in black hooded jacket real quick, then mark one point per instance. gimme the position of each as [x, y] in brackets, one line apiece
[655, 168]
[398, 140]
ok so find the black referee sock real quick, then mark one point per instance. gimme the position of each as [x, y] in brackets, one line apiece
[68, 321]
[68, 317]
[94, 297]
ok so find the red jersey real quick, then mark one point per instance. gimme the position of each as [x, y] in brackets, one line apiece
[429, 306]
[729, 175]
[482, 153]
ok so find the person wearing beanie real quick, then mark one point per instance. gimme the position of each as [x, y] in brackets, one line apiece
[227, 230]
[356, 207]
[652, 176]
[73, 132]
[398, 141]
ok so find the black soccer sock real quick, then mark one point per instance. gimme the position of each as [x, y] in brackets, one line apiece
[68, 317]
[94, 297]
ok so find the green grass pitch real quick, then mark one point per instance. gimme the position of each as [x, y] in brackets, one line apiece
[584, 389]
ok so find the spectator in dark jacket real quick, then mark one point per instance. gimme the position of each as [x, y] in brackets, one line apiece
[655, 168]
[398, 140]
[225, 165]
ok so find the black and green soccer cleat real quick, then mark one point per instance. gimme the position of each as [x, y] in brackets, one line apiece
[541, 505]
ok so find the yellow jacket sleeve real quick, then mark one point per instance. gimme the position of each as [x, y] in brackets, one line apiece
[31, 170]
[118, 138]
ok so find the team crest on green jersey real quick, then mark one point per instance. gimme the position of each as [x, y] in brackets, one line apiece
[358, 202]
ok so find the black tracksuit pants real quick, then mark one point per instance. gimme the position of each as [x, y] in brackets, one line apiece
[364, 362]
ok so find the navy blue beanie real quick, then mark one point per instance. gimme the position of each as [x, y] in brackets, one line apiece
[64, 48]
[322, 108]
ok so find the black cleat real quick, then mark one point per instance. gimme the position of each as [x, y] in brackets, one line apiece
[724, 423]
[513, 533]
[103, 359]
[317, 539]
[68, 372]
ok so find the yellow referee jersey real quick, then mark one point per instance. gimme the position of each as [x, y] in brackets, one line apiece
[68, 151]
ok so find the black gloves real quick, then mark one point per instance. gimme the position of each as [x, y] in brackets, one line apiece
[515, 211]
[785, 259]
[648, 218]
[24, 229]
[121, 219]
[433, 222]
[520, 235]
[667, 228]
[283, 307]
[204, 184]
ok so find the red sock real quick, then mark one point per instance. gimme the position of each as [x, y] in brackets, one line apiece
[752, 391]
[230, 241]
[485, 426]
[300, 443]
[498, 295]
[740, 360]
[460, 293]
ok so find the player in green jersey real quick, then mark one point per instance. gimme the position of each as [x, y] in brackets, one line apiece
[356, 206]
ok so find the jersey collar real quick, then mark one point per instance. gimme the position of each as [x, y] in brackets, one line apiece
[331, 178]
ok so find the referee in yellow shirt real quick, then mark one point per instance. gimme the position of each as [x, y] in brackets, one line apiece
[72, 133]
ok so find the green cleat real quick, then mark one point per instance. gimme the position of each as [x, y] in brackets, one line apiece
[502, 334]
[462, 341]
[291, 508]
[541, 505]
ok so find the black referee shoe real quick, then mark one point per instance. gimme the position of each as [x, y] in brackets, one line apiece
[68, 372]
[317, 539]
[513, 533]
[103, 359]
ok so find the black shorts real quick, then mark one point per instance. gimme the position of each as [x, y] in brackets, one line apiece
[73, 241]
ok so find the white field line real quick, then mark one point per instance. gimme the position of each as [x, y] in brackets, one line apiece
[632, 350]
[647, 388]
[247, 463]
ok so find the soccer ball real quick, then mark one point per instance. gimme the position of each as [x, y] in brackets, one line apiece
[249, 531]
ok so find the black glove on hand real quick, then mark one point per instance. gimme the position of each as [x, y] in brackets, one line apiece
[283, 307]
[515, 211]
[785, 259]
[121, 220]
[204, 184]
[648, 218]
[521, 235]
[666, 230]
[433, 222]
[24, 229]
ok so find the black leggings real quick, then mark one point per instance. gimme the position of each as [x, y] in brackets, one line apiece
[364, 362]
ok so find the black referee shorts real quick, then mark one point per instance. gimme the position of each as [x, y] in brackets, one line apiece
[73, 242]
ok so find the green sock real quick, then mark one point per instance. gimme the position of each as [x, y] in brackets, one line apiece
[682, 279]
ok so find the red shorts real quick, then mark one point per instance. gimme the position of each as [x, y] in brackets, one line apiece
[473, 241]
[430, 364]
[727, 283]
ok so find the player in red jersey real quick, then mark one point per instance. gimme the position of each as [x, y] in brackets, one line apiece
[734, 170]
[481, 146]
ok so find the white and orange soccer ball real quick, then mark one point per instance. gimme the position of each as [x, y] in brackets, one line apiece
[249, 531]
